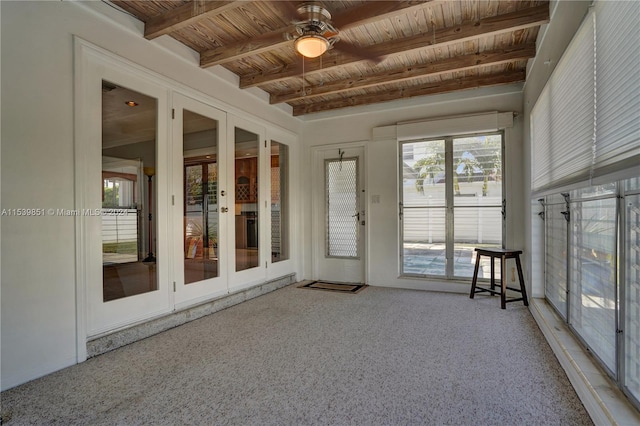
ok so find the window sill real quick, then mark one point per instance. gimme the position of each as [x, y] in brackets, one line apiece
[603, 400]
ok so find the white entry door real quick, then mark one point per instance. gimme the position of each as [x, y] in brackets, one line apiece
[339, 215]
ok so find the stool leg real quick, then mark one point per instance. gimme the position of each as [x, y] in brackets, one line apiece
[503, 283]
[475, 277]
[493, 274]
[521, 278]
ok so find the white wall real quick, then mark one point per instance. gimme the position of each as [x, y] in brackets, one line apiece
[38, 262]
[553, 39]
[382, 176]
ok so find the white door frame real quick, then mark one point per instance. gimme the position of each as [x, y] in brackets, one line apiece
[318, 208]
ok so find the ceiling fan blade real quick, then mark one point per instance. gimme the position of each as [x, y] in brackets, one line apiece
[290, 10]
[357, 51]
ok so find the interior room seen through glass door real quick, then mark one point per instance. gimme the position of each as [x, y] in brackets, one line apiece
[246, 179]
[200, 178]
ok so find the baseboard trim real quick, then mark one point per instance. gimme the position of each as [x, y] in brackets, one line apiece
[119, 338]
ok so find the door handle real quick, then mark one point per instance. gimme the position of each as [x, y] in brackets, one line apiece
[357, 215]
[222, 193]
[224, 209]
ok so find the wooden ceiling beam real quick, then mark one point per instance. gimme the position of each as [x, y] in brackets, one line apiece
[354, 17]
[465, 83]
[376, 11]
[187, 14]
[254, 46]
[411, 72]
[522, 19]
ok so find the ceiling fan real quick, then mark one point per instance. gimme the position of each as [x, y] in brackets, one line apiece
[314, 33]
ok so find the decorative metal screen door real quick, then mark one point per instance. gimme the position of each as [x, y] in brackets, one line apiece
[339, 215]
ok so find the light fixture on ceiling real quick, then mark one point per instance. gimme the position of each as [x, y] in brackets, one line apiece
[131, 103]
[312, 45]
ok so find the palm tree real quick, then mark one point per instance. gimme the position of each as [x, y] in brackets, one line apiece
[469, 166]
[427, 167]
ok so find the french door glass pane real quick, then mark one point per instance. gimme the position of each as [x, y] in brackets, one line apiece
[477, 188]
[475, 227]
[423, 177]
[128, 192]
[200, 206]
[556, 254]
[632, 291]
[424, 249]
[246, 202]
[342, 207]
[593, 263]
[477, 173]
[424, 203]
[279, 202]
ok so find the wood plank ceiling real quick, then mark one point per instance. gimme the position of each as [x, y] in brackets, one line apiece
[386, 50]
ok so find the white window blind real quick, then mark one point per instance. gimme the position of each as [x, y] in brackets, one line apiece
[563, 117]
[586, 122]
[618, 84]
[541, 140]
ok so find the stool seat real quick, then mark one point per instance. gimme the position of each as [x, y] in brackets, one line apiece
[503, 255]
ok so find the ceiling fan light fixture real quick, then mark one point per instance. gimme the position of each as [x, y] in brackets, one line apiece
[311, 46]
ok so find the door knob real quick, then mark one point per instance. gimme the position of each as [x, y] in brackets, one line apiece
[224, 209]
[222, 193]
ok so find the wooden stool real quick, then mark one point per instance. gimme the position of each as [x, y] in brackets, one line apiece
[503, 254]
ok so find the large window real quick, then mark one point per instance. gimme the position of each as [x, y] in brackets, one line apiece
[451, 203]
[585, 230]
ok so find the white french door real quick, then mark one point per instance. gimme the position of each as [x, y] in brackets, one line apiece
[121, 161]
[199, 201]
[221, 215]
[339, 215]
[451, 202]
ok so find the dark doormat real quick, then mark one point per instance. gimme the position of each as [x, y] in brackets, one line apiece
[334, 287]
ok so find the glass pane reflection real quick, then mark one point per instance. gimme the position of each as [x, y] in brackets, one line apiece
[128, 192]
[201, 221]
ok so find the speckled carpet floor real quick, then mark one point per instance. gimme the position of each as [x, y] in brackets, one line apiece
[298, 357]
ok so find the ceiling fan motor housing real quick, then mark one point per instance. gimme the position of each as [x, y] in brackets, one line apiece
[316, 18]
[314, 12]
